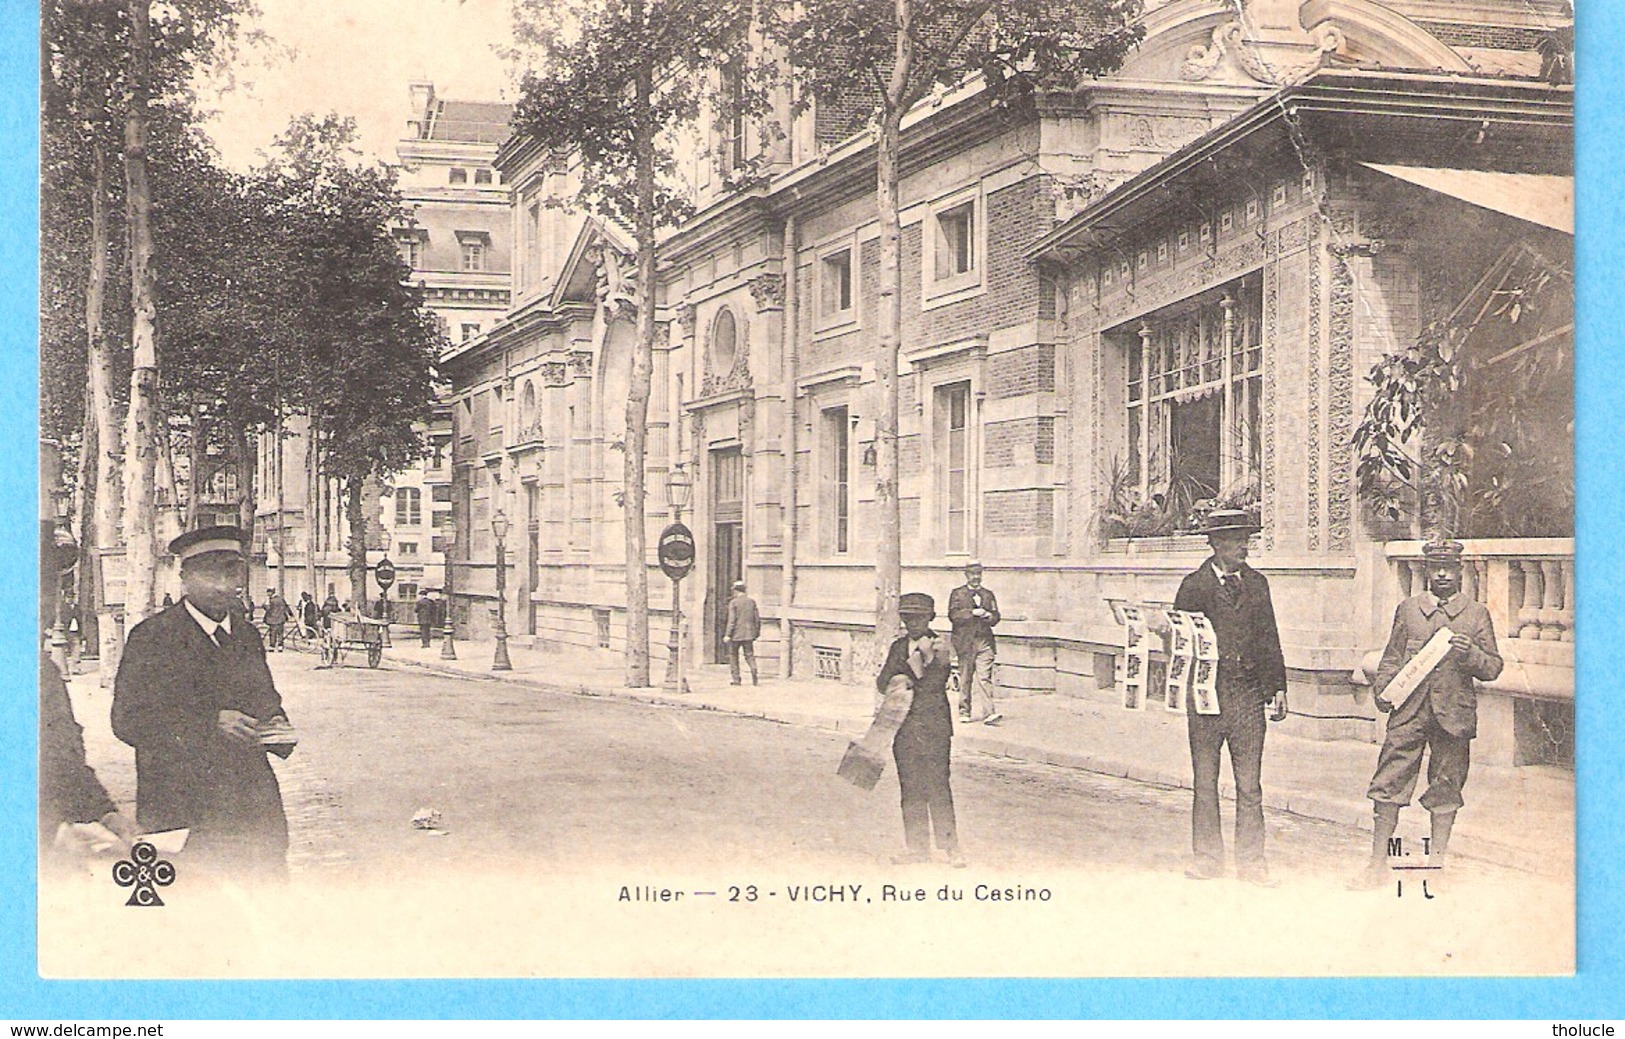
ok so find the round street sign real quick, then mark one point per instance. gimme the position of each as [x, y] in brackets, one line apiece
[384, 573]
[676, 551]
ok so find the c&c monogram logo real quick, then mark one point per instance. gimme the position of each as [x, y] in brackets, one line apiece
[145, 872]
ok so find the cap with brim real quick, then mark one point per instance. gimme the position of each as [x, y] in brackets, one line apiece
[739, 586]
[1442, 551]
[918, 604]
[195, 543]
[1229, 521]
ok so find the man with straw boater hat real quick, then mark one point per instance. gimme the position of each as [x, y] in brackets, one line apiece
[195, 698]
[1251, 673]
[1440, 715]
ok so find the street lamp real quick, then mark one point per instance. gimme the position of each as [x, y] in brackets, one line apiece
[679, 486]
[447, 540]
[500, 662]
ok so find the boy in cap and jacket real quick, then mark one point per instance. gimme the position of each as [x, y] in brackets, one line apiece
[923, 742]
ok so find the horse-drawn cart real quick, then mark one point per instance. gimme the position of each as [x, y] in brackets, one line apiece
[353, 631]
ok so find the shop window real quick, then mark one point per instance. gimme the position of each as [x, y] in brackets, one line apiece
[1194, 405]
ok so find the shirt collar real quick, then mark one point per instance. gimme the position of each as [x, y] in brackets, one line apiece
[207, 623]
[1221, 571]
[1451, 606]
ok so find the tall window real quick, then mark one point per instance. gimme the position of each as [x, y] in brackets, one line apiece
[408, 507]
[473, 254]
[533, 535]
[953, 405]
[835, 284]
[1194, 401]
[837, 450]
[733, 119]
[956, 241]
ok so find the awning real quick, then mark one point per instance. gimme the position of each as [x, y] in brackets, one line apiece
[1535, 197]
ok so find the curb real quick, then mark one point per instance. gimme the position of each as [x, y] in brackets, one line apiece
[1340, 812]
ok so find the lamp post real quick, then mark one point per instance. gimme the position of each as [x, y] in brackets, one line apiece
[499, 527]
[448, 539]
[679, 485]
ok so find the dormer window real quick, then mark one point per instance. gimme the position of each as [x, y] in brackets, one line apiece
[473, 246]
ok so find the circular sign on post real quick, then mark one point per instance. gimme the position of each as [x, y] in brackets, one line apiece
[676, 551]
[384, 573]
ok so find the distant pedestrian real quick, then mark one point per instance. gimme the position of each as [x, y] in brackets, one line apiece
[921, 748]
[277, 616]
[743, 628]
[973, 610]
[330, 606]
[309, 615]
[1235, 598]
[1441, 716]
[425, 614]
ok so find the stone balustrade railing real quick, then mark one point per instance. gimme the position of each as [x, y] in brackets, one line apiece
[1527, 584]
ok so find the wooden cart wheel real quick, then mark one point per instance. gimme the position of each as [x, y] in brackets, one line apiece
[375, 653]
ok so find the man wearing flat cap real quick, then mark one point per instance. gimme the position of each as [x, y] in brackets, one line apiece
[194, 696]
[1441, 716]
[922, 746]
[1251, 674]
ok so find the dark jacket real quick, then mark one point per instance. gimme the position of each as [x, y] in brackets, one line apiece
[1249, 642]
[928, 713]
[968, 630]
[744, 620]
[277, 612]
[172, 683]
[69, 791]
[1449, 689]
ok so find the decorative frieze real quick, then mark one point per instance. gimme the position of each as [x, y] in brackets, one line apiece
[1340, 405]
[556, 373]
[1313, 386]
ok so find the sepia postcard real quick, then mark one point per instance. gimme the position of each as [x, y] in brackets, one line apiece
[1102, 479]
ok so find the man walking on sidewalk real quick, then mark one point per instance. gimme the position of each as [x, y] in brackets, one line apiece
[973, 611]
[743, 628]
[426, 614]
[1440, 716]
[1236, 600]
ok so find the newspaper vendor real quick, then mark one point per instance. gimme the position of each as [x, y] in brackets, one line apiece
[1235, 598]
[922, 745]
[1441, 716]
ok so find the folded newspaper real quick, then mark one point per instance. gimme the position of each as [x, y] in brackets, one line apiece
[865, 759]
[278, 733]
[1404, 685]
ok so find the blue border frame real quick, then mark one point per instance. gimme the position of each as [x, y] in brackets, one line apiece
[1591, 994]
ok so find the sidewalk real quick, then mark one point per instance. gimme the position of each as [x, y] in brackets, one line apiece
[1520, 818]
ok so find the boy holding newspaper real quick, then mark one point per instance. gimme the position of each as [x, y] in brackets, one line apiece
[1442, 642]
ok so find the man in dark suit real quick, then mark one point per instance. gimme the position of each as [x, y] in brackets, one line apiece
[1236, 600]
[193, 696]
[1441, 717]
[743, 628]
[973, 610]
